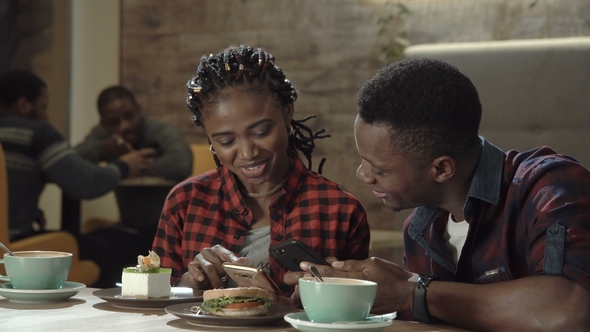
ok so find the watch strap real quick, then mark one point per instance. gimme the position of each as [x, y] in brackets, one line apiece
[420, 307]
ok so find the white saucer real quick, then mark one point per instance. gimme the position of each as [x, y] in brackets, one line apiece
[205, 319]
[68, 290]
[300, 321]
[177, 295]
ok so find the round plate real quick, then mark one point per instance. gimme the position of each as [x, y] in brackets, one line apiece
[275, 314]
[177, 295]
[300, 321]
[68, 290]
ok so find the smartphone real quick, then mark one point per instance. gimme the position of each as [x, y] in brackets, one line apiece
[247, 276]
[292, 252]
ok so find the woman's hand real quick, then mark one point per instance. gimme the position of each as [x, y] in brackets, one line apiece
[207, 268]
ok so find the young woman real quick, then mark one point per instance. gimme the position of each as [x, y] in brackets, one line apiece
[261, 194]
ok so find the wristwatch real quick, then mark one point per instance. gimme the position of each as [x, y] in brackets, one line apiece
[420, 308]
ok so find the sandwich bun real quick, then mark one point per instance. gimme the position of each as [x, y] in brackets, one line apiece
[246, 312]
[256, 307]
[212, 294]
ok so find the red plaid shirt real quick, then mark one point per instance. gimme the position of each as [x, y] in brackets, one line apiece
[529, 214]
[209, 209]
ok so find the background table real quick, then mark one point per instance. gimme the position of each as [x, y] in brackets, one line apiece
[88, 313]
[70, 207]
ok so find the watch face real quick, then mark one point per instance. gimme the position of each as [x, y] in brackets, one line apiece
[425, 279]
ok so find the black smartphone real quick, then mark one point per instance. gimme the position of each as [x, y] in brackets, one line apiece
[292, 252]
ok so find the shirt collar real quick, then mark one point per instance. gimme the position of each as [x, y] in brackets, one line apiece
[485, 185]
[487, 180]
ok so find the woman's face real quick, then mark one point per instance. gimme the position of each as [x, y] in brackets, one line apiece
[249, 134]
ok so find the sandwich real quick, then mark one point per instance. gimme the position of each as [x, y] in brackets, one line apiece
[237, 302]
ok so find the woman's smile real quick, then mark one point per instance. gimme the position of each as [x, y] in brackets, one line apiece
[254, 170]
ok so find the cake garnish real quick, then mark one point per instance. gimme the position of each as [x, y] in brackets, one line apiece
[150, 262]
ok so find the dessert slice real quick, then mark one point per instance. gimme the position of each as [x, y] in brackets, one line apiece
[147, 280]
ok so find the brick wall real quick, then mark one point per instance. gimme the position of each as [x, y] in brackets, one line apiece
[327, 48]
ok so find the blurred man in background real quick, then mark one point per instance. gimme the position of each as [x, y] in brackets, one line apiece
[122, 129]
[36, 154]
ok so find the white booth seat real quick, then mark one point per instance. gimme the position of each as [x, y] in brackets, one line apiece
[533, 92]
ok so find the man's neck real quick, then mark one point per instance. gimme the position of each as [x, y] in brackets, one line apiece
[456, 195]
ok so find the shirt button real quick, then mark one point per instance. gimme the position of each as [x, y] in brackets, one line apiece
[236, 212]
[237, 236]
[245, 212]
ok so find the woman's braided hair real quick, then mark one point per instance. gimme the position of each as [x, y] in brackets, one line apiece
[244, 66]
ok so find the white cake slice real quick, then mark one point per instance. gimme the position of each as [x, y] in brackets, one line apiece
[151, 284]
[146, 280]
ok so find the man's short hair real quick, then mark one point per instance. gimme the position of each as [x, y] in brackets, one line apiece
[15, 84]
[113, 93]
[431, 108]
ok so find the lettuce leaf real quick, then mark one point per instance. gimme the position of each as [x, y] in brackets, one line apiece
[218, 303]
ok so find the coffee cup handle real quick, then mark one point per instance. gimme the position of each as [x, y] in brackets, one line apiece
[3, 278]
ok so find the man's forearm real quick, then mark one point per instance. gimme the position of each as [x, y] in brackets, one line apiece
[539, 303]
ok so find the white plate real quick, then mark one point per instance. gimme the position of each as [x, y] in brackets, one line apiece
[177, 295]
[300, 321]
[275, 314]
[68, 290]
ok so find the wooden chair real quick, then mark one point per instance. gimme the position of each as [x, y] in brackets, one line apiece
[84, 271]
[202, 159]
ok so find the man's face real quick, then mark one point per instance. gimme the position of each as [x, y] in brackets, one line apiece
[39, 109]
[389, 173]
[123, 117]
[34, 110]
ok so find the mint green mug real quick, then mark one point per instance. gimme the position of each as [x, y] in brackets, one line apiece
[337, 299]
[37, 269]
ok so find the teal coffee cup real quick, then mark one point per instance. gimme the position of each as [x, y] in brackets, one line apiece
[37, 269]
[337, 299]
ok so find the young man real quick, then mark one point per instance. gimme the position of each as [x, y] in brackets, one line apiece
[123, 128]
[36, 154]
[498, 240]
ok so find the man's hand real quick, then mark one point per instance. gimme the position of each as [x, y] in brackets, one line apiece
[394, 293]
[113, 148]
[138, 160]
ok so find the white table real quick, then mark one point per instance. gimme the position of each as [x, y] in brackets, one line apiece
[87, 313]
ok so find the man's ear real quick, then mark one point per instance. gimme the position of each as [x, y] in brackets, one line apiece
[22, 107]
[443, 168]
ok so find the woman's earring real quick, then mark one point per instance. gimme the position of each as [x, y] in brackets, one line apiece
[291, 131]
[211, 149]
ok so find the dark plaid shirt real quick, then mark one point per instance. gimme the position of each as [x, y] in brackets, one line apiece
[529, 214]
[209, 209]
